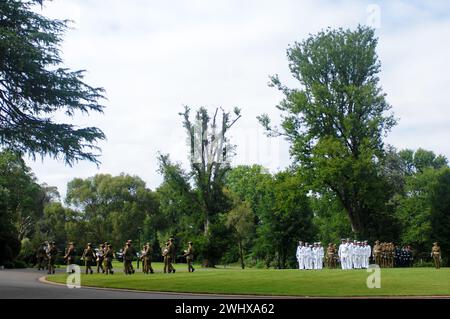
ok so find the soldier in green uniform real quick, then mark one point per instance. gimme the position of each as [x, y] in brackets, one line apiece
[100, 256]
[331, 260]
[69, 257]
[376, 254]
[436, 254]
[128, 254]
[41, 256]
[88, 256]
[147, 259]
[108, 258]
[52, 252]
[168, 254]
[189, 254]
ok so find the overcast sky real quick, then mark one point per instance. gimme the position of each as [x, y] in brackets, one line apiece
[153, 57]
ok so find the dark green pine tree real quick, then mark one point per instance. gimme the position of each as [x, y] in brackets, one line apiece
[34, 85]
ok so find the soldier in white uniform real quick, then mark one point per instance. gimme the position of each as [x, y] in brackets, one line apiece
[367, 253]
[308, 256]
[300, 255]
[343, 254]
[359, 255]
[314, 256]
[349, 254]
[321, 254]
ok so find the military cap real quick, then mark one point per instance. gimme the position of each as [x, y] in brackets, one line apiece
[89, 244]
[171, 239]
[190, 243]
[129, 241]
[70, 242]
[435, 243]
[148, 244]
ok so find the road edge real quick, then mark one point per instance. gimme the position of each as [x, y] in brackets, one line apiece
[44, 280]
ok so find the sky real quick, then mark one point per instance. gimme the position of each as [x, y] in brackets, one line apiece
[154, 57]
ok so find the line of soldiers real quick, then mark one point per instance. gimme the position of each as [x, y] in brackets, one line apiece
[104, 255]
[387, 255]
[46, 256]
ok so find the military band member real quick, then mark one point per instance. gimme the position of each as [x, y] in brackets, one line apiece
[108, 258]
[52, 252]
[99, 258]
[436, 254]
[88, 257]
[189, 254]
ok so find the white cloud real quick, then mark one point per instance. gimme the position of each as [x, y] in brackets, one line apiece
[153, 57]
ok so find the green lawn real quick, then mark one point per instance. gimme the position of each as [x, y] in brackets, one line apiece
[395, 282]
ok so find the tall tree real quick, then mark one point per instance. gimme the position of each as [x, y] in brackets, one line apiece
[285, 217]
[34, 85]
[241, 219]
[336, 120]
[21, 203]
[209, 154]
[112, 205]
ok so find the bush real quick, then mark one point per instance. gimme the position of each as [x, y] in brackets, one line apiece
[20, 264]
[8, 264]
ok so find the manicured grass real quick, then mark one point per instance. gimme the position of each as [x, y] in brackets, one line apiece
[292, 282]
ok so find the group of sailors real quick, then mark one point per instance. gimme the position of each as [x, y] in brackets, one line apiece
[310, 256]
[353, 254]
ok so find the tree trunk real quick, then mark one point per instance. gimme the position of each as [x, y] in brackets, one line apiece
[206, 225]
[241, 255]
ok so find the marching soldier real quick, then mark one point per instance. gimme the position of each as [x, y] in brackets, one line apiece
[52, 252]
[69, 257]
[100, 256]
[147, 259]
[436, 254]
[108, 258]
[189, 254]
[168, 254]
[41, 256]
[88, 256]
[128, 254]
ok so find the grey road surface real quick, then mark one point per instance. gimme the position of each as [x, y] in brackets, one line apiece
[25, 284]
